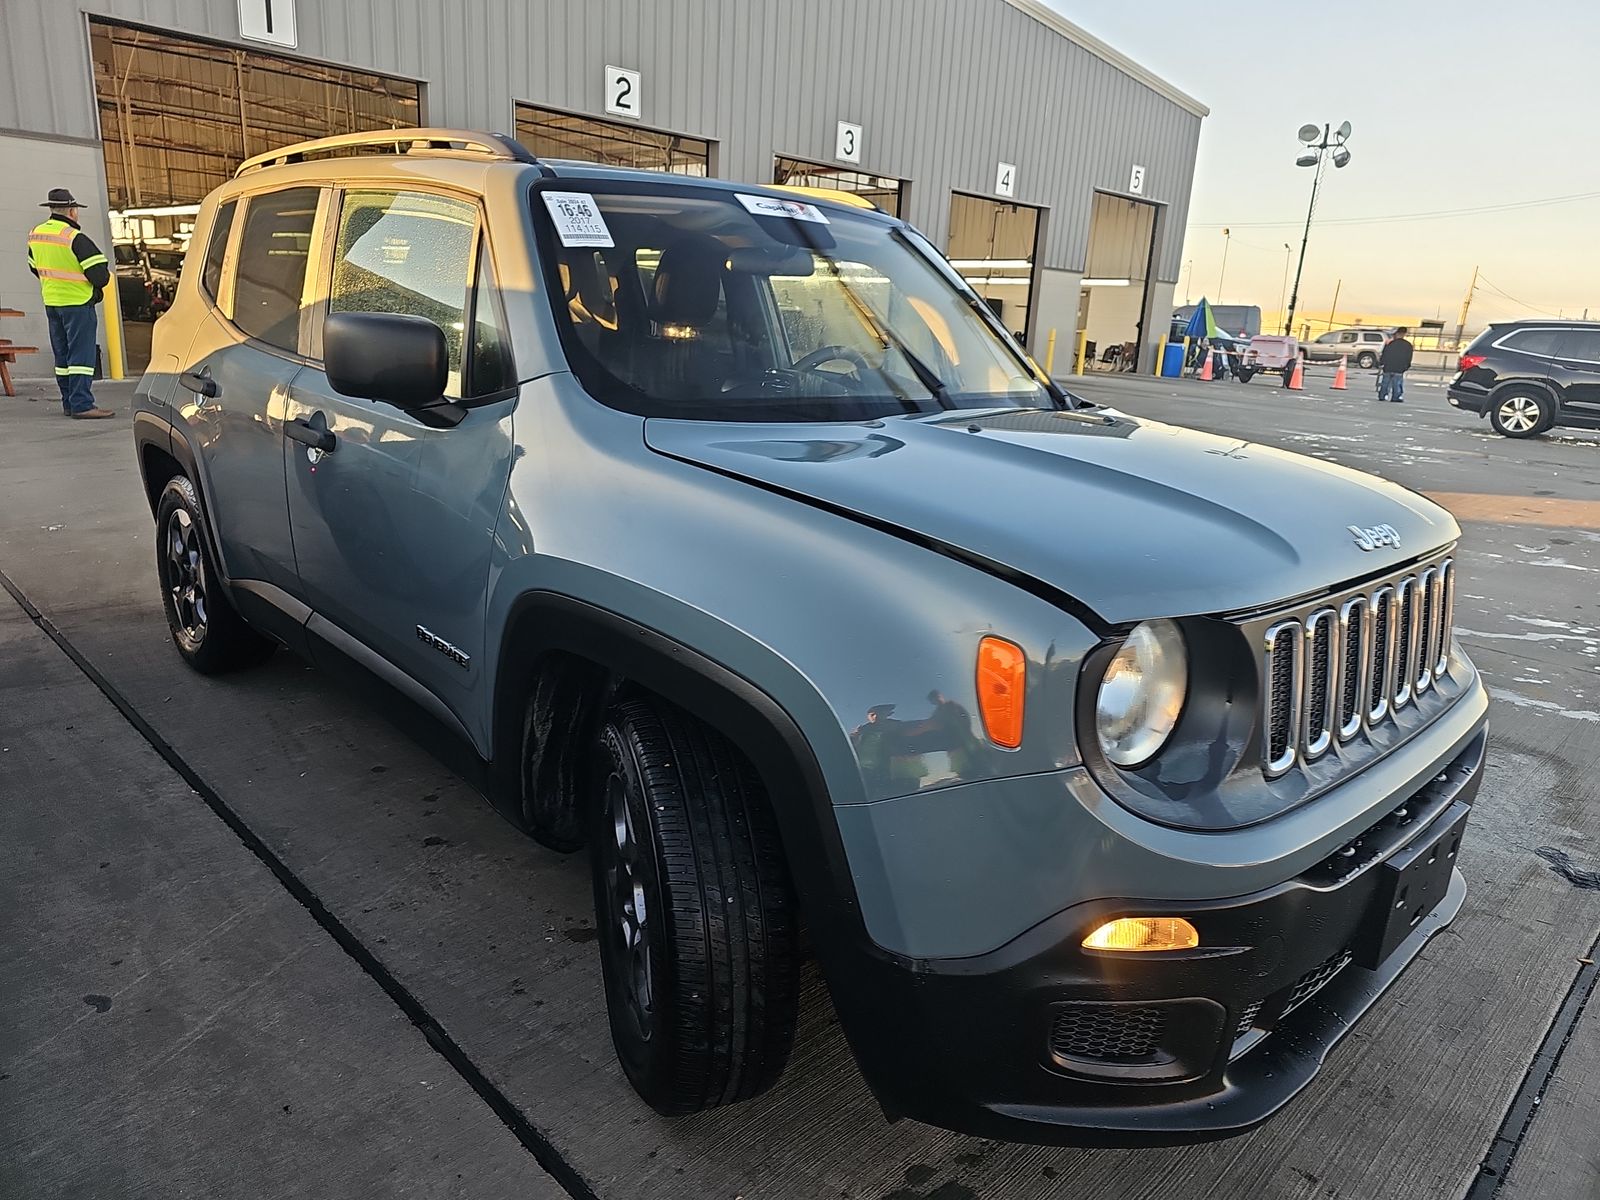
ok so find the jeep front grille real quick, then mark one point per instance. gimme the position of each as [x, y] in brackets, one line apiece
[1330, 674]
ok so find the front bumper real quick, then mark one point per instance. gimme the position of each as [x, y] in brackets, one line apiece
[1042, 1041]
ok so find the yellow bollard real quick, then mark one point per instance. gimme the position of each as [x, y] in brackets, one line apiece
[1161, 356]
[113, 315]
[1050, 353]
[1083, 348]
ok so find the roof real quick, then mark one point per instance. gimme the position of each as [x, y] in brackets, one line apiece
[1053, 20]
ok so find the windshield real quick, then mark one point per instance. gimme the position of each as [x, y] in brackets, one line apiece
[694, 303]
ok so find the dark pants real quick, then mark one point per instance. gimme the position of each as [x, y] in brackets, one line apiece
[72, 331]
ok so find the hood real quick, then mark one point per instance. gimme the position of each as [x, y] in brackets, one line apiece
[1134, 519]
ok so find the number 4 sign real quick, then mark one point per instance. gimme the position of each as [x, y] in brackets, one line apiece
[1005, 180]
[622, 92]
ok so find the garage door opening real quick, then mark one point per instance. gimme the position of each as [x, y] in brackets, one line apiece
[882, 190]
[552, 134]
[993, 244]
[178, 115]
[1115, 279]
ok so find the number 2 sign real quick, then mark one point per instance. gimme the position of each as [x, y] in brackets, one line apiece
[622, 92]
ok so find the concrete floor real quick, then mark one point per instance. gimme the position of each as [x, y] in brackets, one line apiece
[186, 1026]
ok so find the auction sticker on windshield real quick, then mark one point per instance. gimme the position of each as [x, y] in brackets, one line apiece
[771, 206]
[578, 219]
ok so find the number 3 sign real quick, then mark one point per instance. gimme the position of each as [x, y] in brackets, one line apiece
[622, 92]
[847, 146]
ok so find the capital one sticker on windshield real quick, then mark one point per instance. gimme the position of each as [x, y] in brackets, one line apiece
[771, 206]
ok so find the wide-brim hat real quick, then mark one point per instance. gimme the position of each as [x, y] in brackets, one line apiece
[60, 198]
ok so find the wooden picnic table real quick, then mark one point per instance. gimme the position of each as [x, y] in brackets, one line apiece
[9, 351]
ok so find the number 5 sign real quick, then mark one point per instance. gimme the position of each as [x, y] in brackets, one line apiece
[622, 92]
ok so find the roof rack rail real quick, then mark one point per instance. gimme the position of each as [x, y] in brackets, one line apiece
[441, 142]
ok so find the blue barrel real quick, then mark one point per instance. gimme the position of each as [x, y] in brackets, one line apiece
[1172, 361]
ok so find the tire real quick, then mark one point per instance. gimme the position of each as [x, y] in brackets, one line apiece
[209, 633]
[1366, 360]
[1522, 413]
[557, 731]
[697, 917]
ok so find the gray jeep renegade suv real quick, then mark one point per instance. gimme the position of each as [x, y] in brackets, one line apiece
[1112, 769]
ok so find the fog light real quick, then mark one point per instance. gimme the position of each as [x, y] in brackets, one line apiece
[1144, 933]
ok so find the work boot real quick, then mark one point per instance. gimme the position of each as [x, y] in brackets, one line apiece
[93, 414]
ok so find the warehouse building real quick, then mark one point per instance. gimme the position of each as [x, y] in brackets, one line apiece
[1055, 172]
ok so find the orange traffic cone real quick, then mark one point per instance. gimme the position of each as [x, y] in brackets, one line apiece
[1338, 377]
[1297, 380]
[1205, 369]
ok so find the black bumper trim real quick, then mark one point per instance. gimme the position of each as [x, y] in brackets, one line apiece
[965, 1043]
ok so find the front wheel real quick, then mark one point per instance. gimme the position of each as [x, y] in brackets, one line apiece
[1366, 360]
[697, 917]
[1522, 414]
[210, 635]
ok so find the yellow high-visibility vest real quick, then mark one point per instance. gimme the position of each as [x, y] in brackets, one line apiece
[62, 278]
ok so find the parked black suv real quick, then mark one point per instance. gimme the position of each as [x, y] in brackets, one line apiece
[1528, 376]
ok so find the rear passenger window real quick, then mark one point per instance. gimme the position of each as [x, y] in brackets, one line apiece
[216, 249]
[1582, 345]
[1533, 341]
[409, 253]
[271, 275]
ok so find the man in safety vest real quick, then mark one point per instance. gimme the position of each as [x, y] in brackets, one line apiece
[72, 274]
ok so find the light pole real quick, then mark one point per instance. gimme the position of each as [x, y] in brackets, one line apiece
[1283, 292]
[1188, 275]
[1227, 240]
[1318, 143]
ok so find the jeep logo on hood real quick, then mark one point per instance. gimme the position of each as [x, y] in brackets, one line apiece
[1371, 537]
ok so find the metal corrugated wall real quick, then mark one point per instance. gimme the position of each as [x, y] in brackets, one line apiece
[944, 88]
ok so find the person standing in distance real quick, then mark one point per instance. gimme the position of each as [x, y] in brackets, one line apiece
[73, 275]
[1393, 363]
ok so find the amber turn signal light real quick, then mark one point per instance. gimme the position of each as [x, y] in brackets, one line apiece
[1144, 933]
[1002, 676]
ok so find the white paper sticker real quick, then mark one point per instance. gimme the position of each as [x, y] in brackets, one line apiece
[771, 206]
[577, 219]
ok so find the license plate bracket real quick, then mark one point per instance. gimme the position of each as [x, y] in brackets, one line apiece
[1410, 885]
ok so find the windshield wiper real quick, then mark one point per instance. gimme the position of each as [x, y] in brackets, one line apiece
[924, 373]
[985, 314]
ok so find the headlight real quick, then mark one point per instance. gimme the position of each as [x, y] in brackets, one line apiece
[1142, 693]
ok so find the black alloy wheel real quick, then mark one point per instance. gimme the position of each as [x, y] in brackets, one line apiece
[209, 633]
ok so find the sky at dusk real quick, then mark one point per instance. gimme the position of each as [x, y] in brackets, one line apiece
[1452, 107]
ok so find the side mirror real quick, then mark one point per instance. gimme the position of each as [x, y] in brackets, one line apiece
[385, 356]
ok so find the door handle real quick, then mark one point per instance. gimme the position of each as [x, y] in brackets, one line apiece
[201, 383]
[314, 433]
